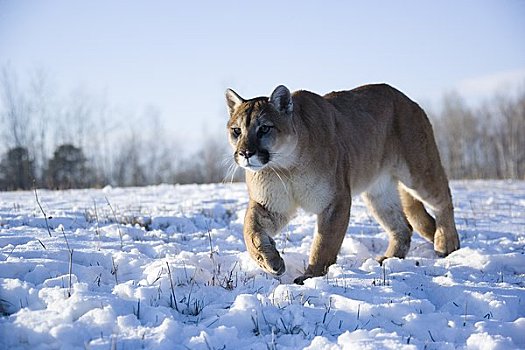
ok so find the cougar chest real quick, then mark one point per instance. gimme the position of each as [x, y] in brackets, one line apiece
[311, 192]
[272, 190]
[283, 193]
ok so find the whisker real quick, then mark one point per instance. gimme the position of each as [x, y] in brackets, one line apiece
[278, 157]
[235, 168]
[280, 178]
[227, 158]
[282, 173]
[226, 176]
[232, 169]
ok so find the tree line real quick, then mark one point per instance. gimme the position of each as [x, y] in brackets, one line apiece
[483, 142]
[78, 140]
[75, 141]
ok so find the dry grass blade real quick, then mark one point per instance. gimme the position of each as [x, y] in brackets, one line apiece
[43, 213]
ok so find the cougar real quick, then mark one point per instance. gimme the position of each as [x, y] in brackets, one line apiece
[303, 150]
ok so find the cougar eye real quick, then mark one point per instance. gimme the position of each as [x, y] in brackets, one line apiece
[264, 129]
[236, 131]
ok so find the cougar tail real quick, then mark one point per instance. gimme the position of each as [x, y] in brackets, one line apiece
[417, 216]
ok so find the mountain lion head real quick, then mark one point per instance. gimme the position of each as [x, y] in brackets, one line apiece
[261, 130]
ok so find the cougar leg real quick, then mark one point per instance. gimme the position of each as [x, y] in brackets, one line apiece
[332, 224]
[384, 203]
[260, 225]
[436, 194]
[417, 215]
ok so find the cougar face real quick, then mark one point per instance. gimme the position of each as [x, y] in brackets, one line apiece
[260, 132]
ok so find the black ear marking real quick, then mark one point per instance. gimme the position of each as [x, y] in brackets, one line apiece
[281, 99]
[233, 100]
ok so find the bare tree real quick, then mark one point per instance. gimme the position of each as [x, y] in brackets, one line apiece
[455, 130]
[43, 118]
[206, 165]
[15, 113]
[159, 151]
[510, 139]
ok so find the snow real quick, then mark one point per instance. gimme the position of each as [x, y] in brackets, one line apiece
[122, 295]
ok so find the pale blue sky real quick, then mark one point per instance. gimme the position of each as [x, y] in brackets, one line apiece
[181, 56]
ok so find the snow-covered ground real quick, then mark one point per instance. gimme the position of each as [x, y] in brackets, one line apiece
[165, 267]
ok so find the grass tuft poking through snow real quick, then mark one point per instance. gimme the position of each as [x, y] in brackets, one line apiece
[165, 267]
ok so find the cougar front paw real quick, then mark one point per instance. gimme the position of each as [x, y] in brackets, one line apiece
[300, 280]
[273, 265]
[263, 251]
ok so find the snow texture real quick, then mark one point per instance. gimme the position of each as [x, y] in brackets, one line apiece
[165, 267]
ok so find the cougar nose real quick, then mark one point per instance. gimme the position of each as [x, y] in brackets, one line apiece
[246, 153]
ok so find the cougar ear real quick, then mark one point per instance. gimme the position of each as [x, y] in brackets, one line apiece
[233, 100]
[281, 99]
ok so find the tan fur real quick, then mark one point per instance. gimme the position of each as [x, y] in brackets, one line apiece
[314, 152]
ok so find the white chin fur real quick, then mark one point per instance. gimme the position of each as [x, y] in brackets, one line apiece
[252, 168]
[251, 164]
